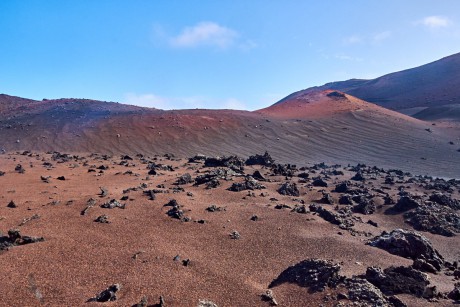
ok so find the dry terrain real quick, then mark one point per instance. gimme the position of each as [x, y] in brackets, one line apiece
[212, 243]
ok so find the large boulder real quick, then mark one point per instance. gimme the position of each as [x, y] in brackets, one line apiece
[398, 280]
[249, 184]
[265, 160]
[434, 218]
[406, 203]
[315, 274]
[409, 244]
[289, 188]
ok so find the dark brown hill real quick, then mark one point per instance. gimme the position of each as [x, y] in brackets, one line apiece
[428, 86]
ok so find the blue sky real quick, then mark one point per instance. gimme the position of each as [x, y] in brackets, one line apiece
[242, 54]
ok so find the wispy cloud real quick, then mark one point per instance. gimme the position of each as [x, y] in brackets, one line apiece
[234, 104]
[201, 35]
[367, 39]
[147, 100]
[205, 34]
[169, 103]
[345, 57]
[354, 39]
[435, 22]
[381, 36]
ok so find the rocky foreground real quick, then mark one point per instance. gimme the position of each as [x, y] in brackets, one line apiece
[223, 231]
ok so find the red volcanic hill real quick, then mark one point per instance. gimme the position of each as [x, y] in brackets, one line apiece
[327, 104]
[319, 126]
[410, 91]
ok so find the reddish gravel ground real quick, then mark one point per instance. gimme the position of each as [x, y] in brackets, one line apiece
[80, 257]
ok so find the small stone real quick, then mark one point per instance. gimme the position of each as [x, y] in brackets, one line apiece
[186, 262]
[235, 235]
[206, 303]
[103, 219]
[268, 296]
[109, 294]
[12, 204]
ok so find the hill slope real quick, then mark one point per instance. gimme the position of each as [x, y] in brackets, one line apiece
[341, 130]
[431, 85]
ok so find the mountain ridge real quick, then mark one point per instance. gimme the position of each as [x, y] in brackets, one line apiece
[430, 85]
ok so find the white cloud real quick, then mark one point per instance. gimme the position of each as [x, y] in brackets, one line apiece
[345, 57]
[234, 104]
[192, 102]
[351, 40]
[435, 22]
[205, 34]
[379, 37]
[147, 100]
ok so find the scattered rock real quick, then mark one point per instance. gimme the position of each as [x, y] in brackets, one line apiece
[346, 200]
[289, 188]
[269, 297]
[408, 244]
[28, 219]
[186, 262]
[300, 209]
[248, 184]
[398, 280]
[19, 169]
[89, 204]
[319, 182]
[214, 175]
[162, 302]
[326, 199]
[206, 303]
[233, 162]
[108, 295]
[113, 203]
[103, 219]
[143, 303]
[434, 218]
[12, 204]
[358, 176]
[214, 208]
[303, 175]
[150, 194]
[341, 218]
[184, 179]
[176, 212]
[372, 223]
[362, 291]
[445, 200]
[45, 178]
[235, 235]
[455, 293]
[62, 178]
[365, 206]
[405, 203]
[422, 265]
[14, 238]
[265, 160]
[258, 176]
[104, 192]
[315, 274]
[342, 187]
[283, 170]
